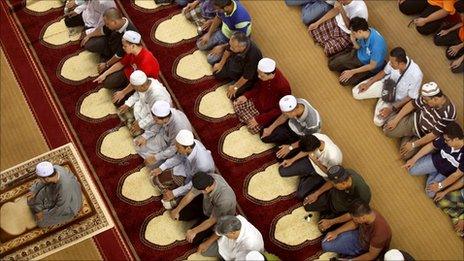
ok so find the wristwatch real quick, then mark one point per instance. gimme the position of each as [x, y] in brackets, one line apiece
[290, 147]
[235, 88]
[440, 185]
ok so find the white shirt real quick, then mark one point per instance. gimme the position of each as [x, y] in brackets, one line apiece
[248, 240]
[409, 84]
[93, 10]
[357, 8]
[330, 156]
[143, 102]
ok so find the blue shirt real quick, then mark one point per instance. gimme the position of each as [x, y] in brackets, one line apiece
[238, 20]
[374, 48]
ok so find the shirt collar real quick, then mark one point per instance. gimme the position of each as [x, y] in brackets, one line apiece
[233, 10]
[304, 114]
[124, 26]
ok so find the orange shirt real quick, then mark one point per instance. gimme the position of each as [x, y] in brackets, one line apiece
[447, 5]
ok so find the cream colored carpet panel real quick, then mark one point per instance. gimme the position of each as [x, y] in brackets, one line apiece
[175, 29]
[80, 66]
[418, 226]
[23, 147]
[194, 66]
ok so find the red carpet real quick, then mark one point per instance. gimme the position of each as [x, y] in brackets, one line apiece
[62, 97]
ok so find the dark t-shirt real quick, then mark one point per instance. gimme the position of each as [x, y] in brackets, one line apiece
[342, 199]
[114, 39]
[446, 159]
[378, 234]
[245, 64]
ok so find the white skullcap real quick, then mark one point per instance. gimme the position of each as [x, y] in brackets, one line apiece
[138, 78]
[161, 109]
[254, 256]
[287, 103]
[266, 65]
[393, 255]
[430, 89]
[185, 138]
[132, 37]
[44, 169]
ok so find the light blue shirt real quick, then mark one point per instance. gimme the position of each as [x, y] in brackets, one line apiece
[374, 48]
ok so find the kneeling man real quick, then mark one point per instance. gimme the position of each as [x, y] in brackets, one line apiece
[57, 197]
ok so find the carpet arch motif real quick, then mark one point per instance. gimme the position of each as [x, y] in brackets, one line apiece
[41, 6]
[97, 104]
[57, 34]
[265, 186]
[79, 67]
[239, 144]
[290, 230]
[136, 187]
[162, 232]
[193, 66]
[214, 104]
[117, 144]
[174, 29]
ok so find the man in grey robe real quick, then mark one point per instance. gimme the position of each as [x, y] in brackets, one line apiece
[57, 197]
[158, 143]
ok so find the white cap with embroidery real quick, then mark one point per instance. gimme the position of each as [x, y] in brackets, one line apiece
[287, 103]
[266, 65]
[185, 138]
[132, 37]
[138, 78]
[161, 109]
[430, 89]
[44, 169]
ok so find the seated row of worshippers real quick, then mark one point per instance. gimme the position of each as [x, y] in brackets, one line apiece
[329, 23]
[163, 134]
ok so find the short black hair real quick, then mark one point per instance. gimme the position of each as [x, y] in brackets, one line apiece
[359, 208]
[359, 23]
[112, 14]
[309, 143]
[201, 180]
[459, 6]
[439, 94]
[453, 131]
[222, 3]
[399, 53]
[241, 37]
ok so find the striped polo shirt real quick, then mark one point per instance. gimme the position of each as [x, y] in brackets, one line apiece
[238, 20]
[429, 119]
[447, 159]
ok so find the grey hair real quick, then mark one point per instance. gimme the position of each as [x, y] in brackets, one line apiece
[241, 38]
[227, 224]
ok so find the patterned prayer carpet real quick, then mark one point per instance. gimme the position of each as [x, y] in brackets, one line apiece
[88, 119]
[19, 234]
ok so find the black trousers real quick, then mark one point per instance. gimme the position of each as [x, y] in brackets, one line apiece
[432, 27]
[459, 69]
[450, 39]
[99, 45]
[412, 7]
[348, 60]
[324, 205]
[74, 21]
[309, 179]
[282, 135]
[194, 211]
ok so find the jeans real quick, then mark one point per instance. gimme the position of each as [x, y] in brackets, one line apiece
[346, 244]
[217, 38]
[314, 10]
[297, 2]
[425, 166]
[182, 2]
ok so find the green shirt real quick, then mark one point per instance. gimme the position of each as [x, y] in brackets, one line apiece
[342, 199]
